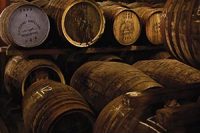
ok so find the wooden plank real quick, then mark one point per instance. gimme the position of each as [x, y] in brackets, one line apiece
[12, 51]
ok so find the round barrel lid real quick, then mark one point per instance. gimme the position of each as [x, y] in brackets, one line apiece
[83, 23]
[28, 26]
[126, 27]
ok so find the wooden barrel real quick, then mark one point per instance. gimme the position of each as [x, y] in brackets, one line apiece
[24, 24]
[181, 30]
[20, 73]
[134, 112]
[51, 107]
[80, 22]
[126, 115]
[151, 18]
[123, 24]
[170, 73]
[100, 82]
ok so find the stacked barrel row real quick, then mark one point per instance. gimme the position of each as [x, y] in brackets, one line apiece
[79, 23]
[48, 105]
[105, 95]
[118, 96]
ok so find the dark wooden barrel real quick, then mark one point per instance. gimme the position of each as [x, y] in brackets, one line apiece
[151, 18]
[136, 112]
[125, 114]
[51, 107]
[100, 82]
[181, 30]
[24, 24]
[81, 22]
[170, 73]
[20, 73]
[123, 24]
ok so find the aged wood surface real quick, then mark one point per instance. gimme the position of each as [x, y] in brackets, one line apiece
[21, 73]
[100, 82]
[171, 73]
[81, 23]
[51, 107]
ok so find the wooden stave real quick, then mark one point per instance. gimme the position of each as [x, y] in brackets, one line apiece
[166, 29]
[184, 50]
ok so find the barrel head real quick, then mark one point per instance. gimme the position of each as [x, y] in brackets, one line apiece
[82, 23]
[126, 27]
[28, 26]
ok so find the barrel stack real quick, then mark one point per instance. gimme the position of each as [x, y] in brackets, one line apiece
[85, 66]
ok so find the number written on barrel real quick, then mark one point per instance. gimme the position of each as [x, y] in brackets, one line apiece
[40, 94]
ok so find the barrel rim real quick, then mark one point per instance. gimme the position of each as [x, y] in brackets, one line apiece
[22, 4]
[54, 68]
[102, 24]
